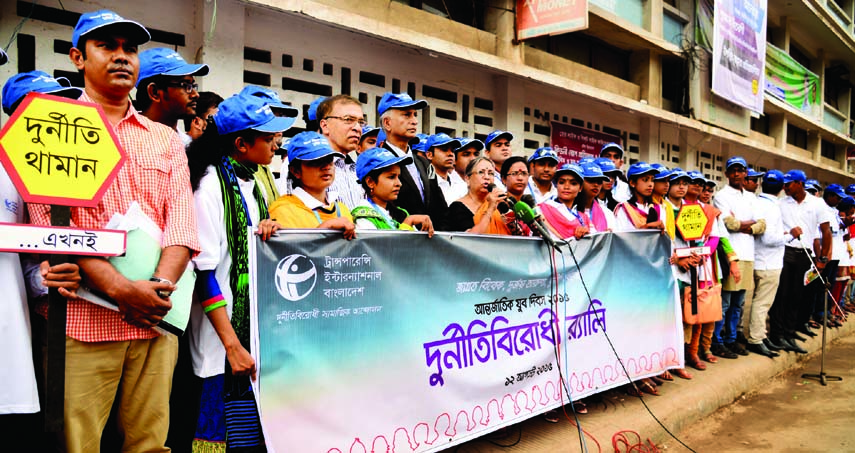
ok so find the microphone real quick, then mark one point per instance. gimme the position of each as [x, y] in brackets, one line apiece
[534, 220]
[529, 200]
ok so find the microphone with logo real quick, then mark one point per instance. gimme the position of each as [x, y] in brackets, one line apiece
[535, 221]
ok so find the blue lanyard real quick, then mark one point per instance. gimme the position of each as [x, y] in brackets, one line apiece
[572, 212]
[337, 213]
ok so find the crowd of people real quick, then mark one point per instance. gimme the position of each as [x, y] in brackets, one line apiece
[204, 184]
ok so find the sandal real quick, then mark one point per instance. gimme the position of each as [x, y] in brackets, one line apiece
[666, 376]
[695, 362]
[813, 324]
[681, 372]
[648, 387]
[551, 416]
[580, 407]
[657, 380]
[633, 390]
[709, 357]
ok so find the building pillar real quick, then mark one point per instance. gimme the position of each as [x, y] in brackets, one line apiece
[222, 45]
[509, 109]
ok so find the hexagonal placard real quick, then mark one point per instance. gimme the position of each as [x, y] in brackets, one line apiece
[60, 151]
[691, 221]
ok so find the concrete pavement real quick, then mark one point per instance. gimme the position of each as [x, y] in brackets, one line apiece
[681, 405]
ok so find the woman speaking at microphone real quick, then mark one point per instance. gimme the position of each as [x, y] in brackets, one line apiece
[484, 209]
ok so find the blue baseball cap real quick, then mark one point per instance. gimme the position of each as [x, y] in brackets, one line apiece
[639, 169]
[469, 142]
[592, 172]
[312, 114]
[663, 173]
[399, 101]
[677, 174]
[795, 176]
[607, 166]
[96, 20]
[850, 189]
[710, 182]
[836, 189]
[542, 153]
[695, 175]
[163, 61]
[774, 176]
[35, 81]
[736, 160]
[419, 142]
[571, 169]
[752, 173]
[271, 98]
[812, 184]
[376, 158]
[441, 139]
[846, 203]
[587, 160]
[612, 147]
[3, 57]
[310, 145]
[241, 112]
[368, 131]
[495, 135]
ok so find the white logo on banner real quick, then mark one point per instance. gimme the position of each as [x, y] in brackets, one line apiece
[295, 277]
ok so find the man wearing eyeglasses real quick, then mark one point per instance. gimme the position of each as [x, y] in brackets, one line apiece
[341, 119]
[167, 89]
[542, 166]
[420, 194]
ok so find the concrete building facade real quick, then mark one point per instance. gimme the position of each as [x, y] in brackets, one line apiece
[636, 72]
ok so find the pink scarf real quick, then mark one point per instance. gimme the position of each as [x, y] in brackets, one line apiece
[598, 217]
[564, 226]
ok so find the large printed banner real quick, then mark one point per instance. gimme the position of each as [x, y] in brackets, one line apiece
[739, 52]
[395, 340]
[573, 143]
[789, 81]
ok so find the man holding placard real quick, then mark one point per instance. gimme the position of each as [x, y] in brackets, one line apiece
[117, 356]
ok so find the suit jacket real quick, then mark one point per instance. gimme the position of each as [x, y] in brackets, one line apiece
[409, 198]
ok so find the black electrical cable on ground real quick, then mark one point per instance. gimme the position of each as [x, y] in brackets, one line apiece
[620, 361]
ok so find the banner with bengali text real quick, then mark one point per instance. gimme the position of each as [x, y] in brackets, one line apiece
[573, 143]
[739, 52]
[789, 81]
[399, 342]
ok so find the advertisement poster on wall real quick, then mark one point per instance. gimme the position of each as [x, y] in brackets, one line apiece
[573, 143]
[739, 52]
[550, 17]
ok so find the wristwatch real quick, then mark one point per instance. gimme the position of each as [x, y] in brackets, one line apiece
[162, 293]
[823, 259]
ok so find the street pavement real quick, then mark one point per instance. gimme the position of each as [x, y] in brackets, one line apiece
[753, 399]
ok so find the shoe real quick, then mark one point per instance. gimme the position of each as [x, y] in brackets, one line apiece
[771, 346]
[723, 352]
[813, 324]
[806, 330]
[740, 338]
[796, 336]
[762, 350]
[789, 345]
[736, 348]
[551, 416]
[695, 362]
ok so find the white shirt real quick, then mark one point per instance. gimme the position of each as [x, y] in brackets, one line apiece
[620, 191]
[622, 220]
[838, 247]
[349, 191]
[808, 215]
[411, 167]
[459, 188]
[739, 204]
[206, 349]
[769, 246]
[18, 392]
[445, 185]
[539, 197]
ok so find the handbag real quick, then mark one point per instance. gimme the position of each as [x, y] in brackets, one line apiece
[707, 306]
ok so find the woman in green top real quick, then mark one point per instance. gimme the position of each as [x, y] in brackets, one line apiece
[379, 173]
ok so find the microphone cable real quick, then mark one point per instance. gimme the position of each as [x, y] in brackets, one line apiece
[611, 345]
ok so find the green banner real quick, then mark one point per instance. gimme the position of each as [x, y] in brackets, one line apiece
[791, 82]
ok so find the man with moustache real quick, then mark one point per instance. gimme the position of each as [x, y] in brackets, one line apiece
[167, 89]
[420, 194]
[341, 119]
[469, 149]
[542, 166]
[114, 359]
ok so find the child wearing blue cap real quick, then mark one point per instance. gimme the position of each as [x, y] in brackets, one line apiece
[311, 173]
[228, 199]
[639, 213]
[379, 173]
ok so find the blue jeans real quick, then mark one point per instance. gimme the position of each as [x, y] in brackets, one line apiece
[731, 310]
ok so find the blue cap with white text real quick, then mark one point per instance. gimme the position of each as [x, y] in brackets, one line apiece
[399, 101]
[271, 98]
[640, 169]
[96, 20]
[495, 135]
[19, 85]
[542, 153]
[163, 61]
[376, 158]
[310, 145]
[795, 176]
[241, 112]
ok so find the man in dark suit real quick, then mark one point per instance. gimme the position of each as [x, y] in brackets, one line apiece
[420, 193]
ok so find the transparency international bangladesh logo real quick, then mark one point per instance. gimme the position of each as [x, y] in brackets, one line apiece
[295, 277]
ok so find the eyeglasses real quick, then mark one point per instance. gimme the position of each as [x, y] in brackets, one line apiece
[349, 120]
[518, 173]
[488, 173]
[188, 87]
